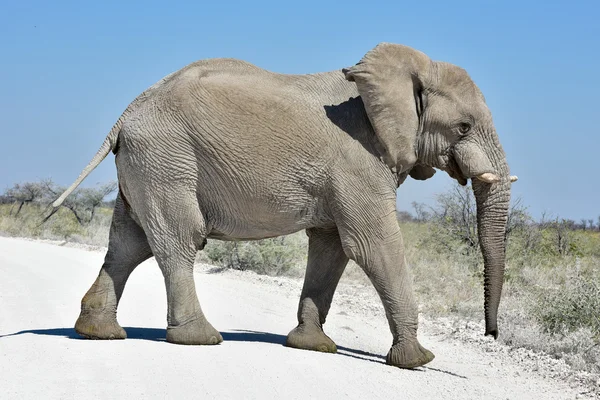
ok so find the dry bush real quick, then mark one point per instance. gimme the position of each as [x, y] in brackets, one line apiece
[570, 307]
[284, 255]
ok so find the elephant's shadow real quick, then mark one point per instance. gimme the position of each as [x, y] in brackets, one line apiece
[158, 335]
[154, 334]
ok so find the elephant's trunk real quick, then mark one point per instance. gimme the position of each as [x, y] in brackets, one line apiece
[492, 214]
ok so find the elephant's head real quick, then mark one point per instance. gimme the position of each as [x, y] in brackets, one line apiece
[429, 114]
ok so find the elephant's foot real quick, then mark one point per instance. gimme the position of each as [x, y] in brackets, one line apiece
[409, 355]
[195, 332]
[99, 326]
[310, 337]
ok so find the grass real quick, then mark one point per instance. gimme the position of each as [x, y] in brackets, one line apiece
[62, 226]
[551, 301]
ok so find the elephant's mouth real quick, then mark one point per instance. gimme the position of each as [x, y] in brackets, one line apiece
[485, 174]
[454, 171]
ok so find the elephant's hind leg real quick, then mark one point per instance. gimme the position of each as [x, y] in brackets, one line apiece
[326, 263]
[176, 230]
[127, 248]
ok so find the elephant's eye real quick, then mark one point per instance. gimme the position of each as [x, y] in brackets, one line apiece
[463, 127]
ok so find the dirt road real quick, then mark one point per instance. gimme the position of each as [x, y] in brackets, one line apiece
[41, 356]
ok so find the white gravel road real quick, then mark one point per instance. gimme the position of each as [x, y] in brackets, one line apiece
[42, 357]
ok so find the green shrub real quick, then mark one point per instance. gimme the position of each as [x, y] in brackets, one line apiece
[573, 306]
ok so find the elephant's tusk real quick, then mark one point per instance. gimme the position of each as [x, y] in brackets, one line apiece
[514, 178]
[488, 177]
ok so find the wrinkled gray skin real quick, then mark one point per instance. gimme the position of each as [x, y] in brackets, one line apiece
[225, 150]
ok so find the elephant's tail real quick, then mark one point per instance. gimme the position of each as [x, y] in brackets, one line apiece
[110, 144]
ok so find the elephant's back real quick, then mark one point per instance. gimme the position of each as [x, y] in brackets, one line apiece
[226, 106]
[241, 80]
[230, 106]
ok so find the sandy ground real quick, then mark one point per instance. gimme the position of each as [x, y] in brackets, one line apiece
[41, 356]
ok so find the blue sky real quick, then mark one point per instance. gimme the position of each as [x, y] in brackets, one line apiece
[70, 68]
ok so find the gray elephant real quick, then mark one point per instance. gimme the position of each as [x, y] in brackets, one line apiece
[225, 150]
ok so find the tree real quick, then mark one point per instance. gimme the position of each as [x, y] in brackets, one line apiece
[24, 193]
[519, 220]
[420, 210]
[83, 202]
[405, 216]
[5, 199]
[455, 213]
[564, 239]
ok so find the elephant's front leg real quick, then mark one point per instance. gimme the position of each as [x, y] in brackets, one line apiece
[326, 263]
[374, 241]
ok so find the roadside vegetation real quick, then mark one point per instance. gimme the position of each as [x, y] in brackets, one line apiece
[551, 296]
[551, 300]
[84, 217]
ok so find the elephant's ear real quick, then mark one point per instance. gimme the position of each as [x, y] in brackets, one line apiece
[389, 79]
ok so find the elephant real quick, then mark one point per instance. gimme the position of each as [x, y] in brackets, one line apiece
[223, 149]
